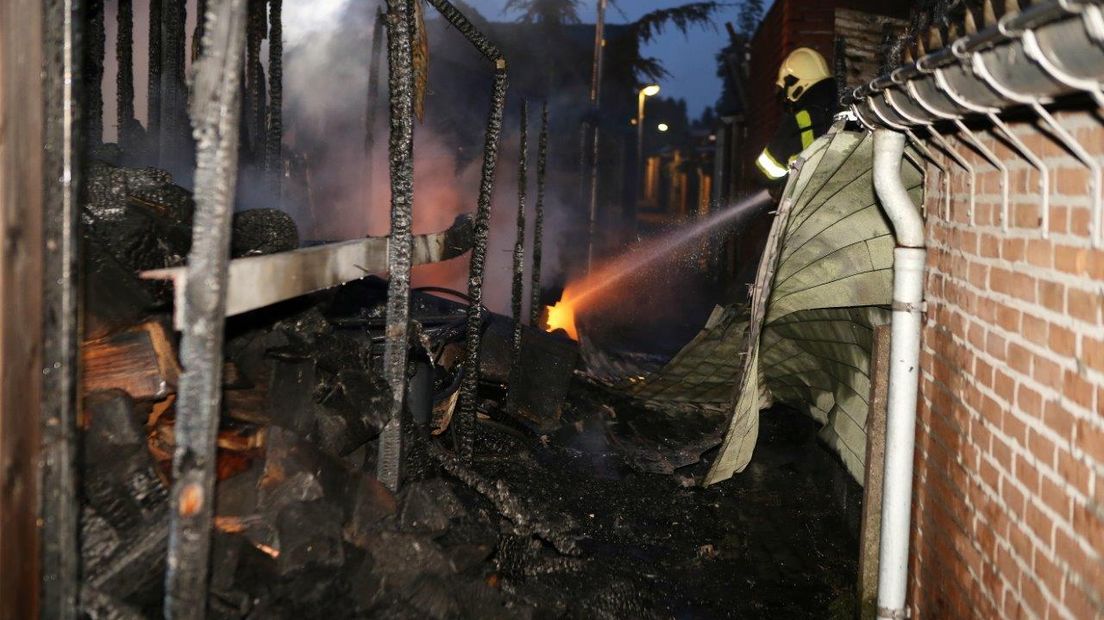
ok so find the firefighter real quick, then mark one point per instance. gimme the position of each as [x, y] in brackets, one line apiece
[811, 102]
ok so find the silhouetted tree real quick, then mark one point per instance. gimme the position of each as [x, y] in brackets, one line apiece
[548, 12]
[751, 11]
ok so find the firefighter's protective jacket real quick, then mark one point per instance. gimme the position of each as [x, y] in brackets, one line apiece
[809, 119]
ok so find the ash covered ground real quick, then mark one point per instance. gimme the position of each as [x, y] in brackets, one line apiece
[558, 516]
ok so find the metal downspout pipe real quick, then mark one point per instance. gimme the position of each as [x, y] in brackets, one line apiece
[908, 295]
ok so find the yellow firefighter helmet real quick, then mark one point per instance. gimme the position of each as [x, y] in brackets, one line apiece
[801, 69]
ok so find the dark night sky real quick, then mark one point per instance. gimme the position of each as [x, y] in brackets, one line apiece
[690, 59]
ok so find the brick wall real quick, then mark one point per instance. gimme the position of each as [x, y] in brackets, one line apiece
[1008, 509]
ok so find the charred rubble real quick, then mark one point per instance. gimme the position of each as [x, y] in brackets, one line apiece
[561, 514]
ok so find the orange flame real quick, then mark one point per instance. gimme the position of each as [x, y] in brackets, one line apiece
[562, 316]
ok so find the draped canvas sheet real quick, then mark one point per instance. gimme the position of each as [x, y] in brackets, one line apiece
[833, 282]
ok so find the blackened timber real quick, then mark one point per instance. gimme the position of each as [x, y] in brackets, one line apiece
[124, 79]
[400, 15]
[466, 28]
[519, 241]
[216, 117]
[595, 128]
[153, 89]
[175, 154]
[254, 83]
[93, 72]
[58, 509]
[478, 263]
[538, 219]
[470, 383]
[274, 156]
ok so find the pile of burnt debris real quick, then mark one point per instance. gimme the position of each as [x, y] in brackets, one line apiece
[555, 517]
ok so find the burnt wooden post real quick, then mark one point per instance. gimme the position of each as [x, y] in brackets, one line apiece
[254, 124]
[94, 53]
[470, 383]
[153, 89]
[175, 146]
[124, 79]
[400, 247]
[40, 63]
[215, 115]
[519, 241]
[538, 219]
[274, 153]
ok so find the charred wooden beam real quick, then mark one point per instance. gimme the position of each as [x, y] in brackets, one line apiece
[254, 124]
[400, 19]
[41, 60]
[94, 53]
[124, 79]
[153, 89]
[61, 310]
[466, 419]
[519, 241]
[175, 146]
[538, 219]
[274, 156]
[216, 117]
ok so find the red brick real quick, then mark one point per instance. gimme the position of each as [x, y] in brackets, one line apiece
[1058, 419]
[1090, 525]
[1079, 221]
[1071, 260]
[1076, 472]
[1078, 602]
[978, 275]
[1008, 318]
[1090, 438]
[1083, 305]
[1013, 428]
[1029, 401]
[1077, 388]
[1027, 216]
[1046, 371]
[1052, 295]
[1062, 340]
[996, 345]
[1047, 572]
[1023, 287]
[1035, 329]
[1092, 352]
[1059, 219]
[1013, 249]
[1040, 252]
[1005, 386]
[1019, 358]
[1056, 498]
[1073, 181]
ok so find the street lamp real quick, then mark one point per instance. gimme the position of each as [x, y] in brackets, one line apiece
[650, 90]
[662, 127]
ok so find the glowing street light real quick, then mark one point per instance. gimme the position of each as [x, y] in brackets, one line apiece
[651, 90]
[662, 127]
